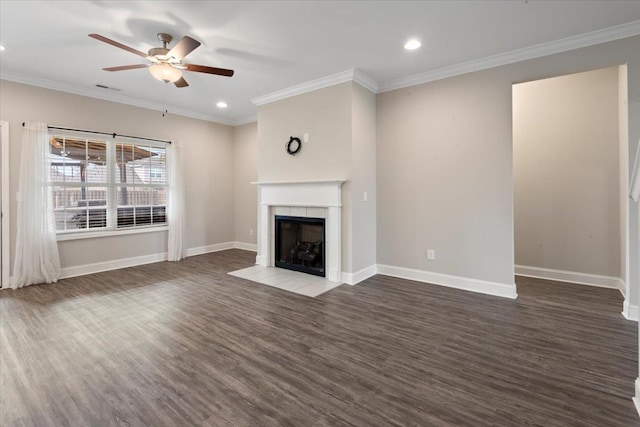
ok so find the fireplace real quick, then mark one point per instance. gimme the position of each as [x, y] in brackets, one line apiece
[300, 244]
[306, 199]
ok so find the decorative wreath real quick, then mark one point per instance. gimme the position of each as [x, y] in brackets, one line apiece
[293, 146]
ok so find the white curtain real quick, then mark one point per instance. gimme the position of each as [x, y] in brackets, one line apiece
[37, 259]
[175, 202]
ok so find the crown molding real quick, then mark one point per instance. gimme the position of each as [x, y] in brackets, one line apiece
[105, 96]
[321, 83]
[365, 81]
[617, 32]
[245, 120]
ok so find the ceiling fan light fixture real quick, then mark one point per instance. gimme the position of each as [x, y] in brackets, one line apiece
[165, 72]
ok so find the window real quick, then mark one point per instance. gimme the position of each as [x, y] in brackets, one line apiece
[103, 185]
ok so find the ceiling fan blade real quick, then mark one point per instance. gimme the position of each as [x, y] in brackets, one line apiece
[116, 44]
[181, 82]
[126, 67]
[209, 70]
[183, 48]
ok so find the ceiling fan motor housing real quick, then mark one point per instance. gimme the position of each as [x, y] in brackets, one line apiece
[158, 51]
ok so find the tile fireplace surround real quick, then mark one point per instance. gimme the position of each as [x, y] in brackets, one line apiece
[312, 199]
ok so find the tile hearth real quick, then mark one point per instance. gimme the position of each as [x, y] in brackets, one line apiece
[291, 281]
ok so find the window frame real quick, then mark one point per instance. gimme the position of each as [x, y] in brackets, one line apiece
[112, 188]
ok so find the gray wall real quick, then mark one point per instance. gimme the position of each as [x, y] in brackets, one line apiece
[208, 157]
[325, 115]
[444, 177]
[245, 153]
[566, 173]
[340, 121]
[363, 179]
[445, 164]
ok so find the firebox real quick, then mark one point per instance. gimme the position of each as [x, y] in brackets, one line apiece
[299, 244]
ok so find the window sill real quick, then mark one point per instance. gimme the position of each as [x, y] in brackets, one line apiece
[61, 237]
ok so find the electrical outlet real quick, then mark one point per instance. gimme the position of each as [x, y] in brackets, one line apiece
[365, 196]
[431, 254]
[305, 137]
[251, 232]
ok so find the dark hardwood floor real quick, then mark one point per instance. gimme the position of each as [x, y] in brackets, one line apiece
[181, 344]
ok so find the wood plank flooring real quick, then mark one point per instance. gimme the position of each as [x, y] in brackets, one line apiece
[181, 344]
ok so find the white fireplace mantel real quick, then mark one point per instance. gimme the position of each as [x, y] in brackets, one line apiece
[325, 194]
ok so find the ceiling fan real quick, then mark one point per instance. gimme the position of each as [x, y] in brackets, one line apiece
[166, 64]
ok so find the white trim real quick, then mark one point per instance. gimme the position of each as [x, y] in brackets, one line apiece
[617, 32]
[326, 194]
[321, 83]
[318, 181]
[304, 204]
[106, 95]
[636, 399]
[623, 179]
[210, 248]
[5, 207]
[98, 267]
[82, 270]
[359, 276]
[62, 237]
[630, 311]
[245, 120]
[622, 288]
[570, 277]
[504, 290]
[365, 81]
[246, 246]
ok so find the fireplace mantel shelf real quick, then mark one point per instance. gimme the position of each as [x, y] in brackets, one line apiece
[318, 181]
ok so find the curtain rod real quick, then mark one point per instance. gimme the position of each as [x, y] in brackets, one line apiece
[113, 135]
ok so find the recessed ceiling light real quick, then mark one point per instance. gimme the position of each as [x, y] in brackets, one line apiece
[1, 48]
[412, 44]
[221, 104]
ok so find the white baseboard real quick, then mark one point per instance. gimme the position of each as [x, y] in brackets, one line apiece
[81, 270]
[210, 248]
[246, 246]
[622, 288]
[98, 267]
[359, 276]
[630, 311]
[636, 399]
[570, 277]
[491, 288]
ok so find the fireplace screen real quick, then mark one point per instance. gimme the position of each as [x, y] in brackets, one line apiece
[299, 244]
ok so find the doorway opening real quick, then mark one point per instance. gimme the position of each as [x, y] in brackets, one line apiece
[570, 166]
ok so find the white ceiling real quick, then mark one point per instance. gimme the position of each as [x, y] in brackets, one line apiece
[274, 45]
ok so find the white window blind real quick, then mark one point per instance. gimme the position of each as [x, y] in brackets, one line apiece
[105, 184]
